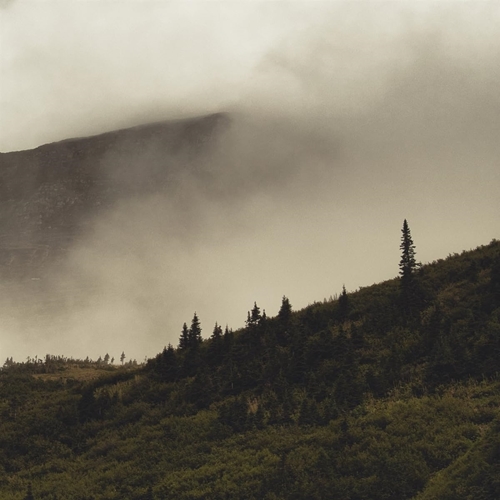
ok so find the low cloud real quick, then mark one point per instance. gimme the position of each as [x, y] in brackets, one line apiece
[342, 125]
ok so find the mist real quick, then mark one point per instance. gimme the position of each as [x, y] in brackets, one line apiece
[344, 120]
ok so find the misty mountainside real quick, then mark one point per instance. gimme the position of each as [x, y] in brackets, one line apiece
[102, 236]
[49, 196]
[389, 392]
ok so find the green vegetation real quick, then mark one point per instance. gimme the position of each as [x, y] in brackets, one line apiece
[389, 392]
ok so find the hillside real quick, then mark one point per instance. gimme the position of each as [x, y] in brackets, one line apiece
[368, 396]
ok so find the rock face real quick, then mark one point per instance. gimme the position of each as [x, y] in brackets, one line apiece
[50, 195]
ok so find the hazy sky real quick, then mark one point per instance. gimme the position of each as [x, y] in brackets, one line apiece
[81, 67]
[356, 116]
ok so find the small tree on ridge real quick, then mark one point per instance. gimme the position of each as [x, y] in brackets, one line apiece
[407, 268]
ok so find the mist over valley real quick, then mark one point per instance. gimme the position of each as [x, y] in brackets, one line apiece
[288, 174]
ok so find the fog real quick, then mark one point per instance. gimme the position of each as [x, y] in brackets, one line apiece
[346, 118]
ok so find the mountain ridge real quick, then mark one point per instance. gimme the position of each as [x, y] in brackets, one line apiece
[159, 124]
[50, 194]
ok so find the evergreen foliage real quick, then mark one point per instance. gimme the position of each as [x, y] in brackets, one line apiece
[407, 270]
[194, 334]
[285, 312]
[184, 338]
[343, 304]
[313, 404]
[254, 316]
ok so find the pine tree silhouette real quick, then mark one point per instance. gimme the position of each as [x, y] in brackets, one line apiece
[407, 270]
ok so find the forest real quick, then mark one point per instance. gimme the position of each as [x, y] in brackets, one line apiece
[388, 392]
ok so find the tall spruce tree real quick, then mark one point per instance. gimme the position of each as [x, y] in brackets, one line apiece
[194, 339]
[407, 268]
[343, 304]
[184, 338]
[283, 332]
[254, 316]
[285, 312]
[216, 346]
[217, 333]
[408, 264]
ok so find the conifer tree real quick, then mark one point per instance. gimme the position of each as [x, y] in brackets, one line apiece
[285, 311]
[192, 356]
[216, 345]
[343, 304]
[283, 332]
[217, 333]
[184, 338]
[194, 337]
[408, 267]
[254, 316]
[167, 363]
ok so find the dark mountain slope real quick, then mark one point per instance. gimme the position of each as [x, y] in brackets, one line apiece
[355, 398]
[49, 195]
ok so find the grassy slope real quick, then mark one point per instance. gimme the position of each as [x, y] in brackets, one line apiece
[427, 426]
[385, 449]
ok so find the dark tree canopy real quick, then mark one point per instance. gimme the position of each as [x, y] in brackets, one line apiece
[307, 405]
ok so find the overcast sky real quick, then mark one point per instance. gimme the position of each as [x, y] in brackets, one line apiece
[82, 67]
[390, 110]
